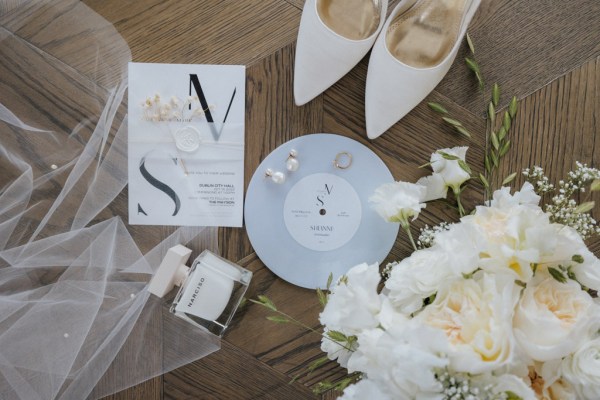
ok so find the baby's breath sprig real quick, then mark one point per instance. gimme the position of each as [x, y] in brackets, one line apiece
[562, 208]
[427, 236]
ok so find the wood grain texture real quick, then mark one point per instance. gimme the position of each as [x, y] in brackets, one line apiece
[522, 44]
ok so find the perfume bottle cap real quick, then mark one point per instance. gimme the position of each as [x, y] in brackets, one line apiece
[172, 271]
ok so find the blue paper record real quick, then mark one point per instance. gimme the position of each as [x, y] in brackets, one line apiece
[319, 221]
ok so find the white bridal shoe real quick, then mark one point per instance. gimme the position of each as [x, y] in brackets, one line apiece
[415, 50]
[334, 36]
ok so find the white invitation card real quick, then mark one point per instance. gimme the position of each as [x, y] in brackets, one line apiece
[186, 144]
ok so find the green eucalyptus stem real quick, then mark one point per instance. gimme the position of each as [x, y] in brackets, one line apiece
[406, 227]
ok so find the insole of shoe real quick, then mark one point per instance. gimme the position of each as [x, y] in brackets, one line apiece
[352, 19]
[423, 35]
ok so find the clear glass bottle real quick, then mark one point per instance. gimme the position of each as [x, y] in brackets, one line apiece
[212, 292]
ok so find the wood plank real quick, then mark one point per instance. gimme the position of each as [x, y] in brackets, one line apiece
[210, 31]
[523, 45]
[231, 374]
[271, 120]
[287, 348]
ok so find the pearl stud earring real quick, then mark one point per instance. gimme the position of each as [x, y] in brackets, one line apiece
[292, 162]
[276, 176]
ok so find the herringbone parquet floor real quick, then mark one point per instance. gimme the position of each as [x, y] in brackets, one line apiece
[545, 52]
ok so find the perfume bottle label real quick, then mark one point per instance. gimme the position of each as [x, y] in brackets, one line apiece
[322, 212]
[205, 294]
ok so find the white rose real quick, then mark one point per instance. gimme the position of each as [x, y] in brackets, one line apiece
[475, 315]
[365, 389]
[450, 170]
[354, 304]
[582, 370]
[551, 318]
[435, 187]
[398, 201]
[419, 276]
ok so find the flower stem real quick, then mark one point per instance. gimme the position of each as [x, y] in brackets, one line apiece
[461, 209]
[406, 227]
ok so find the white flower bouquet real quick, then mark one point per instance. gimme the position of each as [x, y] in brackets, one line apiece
[499, 305]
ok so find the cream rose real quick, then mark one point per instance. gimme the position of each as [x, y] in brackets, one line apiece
[475, 315]
[551, 318]
[582, 370]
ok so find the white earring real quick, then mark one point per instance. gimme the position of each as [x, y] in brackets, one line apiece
[276, 176]
[292, 164]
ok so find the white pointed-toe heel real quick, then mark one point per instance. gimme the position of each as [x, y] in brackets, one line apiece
[334, 36]
[414, 51]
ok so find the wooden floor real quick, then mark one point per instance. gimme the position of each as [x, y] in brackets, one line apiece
[543, 51]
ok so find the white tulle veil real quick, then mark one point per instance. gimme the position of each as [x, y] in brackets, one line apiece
[76, 320]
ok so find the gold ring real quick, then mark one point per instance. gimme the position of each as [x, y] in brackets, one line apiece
[343, 160]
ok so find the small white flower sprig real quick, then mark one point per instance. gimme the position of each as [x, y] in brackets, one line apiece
[562, 208]
[174, 109]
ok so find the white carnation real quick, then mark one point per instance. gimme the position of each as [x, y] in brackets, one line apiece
[354, 303]
[398, 201]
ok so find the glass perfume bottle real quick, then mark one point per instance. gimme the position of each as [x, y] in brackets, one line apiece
[210, 292]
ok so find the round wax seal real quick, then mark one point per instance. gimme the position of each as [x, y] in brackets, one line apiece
[187, 139]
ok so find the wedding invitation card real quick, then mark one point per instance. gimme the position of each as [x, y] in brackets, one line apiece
[186, 144]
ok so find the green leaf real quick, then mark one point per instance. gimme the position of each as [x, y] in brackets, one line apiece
[470, 44]
[577, 258]
[462, 131]
[472, 64]
[595, 186]
[425, 165]
[488, 163]
[494, 159]
[278, 319]
[265, 301]
[512, 108]
[557, 274]
[484, 181]
[496, 94]
[491, 113]
[504, 149]
[506, 122]
[438, 108]
[501, 133]
[464, 166]
[322, 387]
[585, 207]
[509, 178]
[329, 280]
[512, 396]
[337, 336]
[447, 156]
[317, 363]
[495, 141]
[322, 297]
[452, 122]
